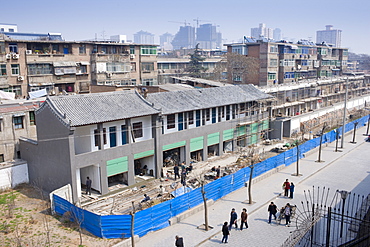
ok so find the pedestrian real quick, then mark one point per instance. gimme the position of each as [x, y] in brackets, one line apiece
[183, 178]
[88, 186]
[146, 198]
[291, 190]
[287, 213]
[233, 218]
[286, 187]
[179, 241]
[225, 232]
[218, 171]
[243, 218]
[176, 171]
[162, 191]
[272, 209]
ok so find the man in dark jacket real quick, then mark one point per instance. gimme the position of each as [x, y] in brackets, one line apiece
[272, 209]
[233, 218]
[88, 186]
[243, 218]
[225, 233]
[179, 241]
[176, 171]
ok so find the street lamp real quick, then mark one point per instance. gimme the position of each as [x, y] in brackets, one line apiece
[343, 195]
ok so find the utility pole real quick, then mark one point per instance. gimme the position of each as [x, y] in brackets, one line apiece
[344, 114]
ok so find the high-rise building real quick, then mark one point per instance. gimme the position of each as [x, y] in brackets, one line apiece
[208, 37]
[165, 41]
[262, 31]
[143, 37]
[330, 36]
[184, 38]
[277, 34]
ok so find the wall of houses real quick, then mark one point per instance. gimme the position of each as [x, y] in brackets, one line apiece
[11, 176]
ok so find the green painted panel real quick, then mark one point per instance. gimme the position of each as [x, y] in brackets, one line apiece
[254, 128]
[196, 143]
[254, 139]
[265, 124]
[213, 139]
[174, 145]
[241, 130]
[228, 134]
[117, 166]
[143, 154]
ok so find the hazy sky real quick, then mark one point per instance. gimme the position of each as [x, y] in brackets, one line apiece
[85, 19]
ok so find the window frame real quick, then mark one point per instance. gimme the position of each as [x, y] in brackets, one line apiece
[32, 118]
[171, 121]
[137, 129]
[18, 124]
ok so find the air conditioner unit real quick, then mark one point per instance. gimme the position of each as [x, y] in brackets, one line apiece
[8, 56]
[132, 56]
[20, 78]
[28, 52]
[15, 56]
[109, 75]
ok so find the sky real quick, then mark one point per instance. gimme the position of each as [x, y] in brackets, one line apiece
[87, 19]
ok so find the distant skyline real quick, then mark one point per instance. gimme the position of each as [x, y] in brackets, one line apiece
[82, 20]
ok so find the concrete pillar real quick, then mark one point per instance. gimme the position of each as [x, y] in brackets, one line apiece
[158, 152]
[131, 169]
[187, 152]
[221, 144]
[205, 147]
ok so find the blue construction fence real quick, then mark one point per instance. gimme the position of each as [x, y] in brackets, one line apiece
[157, 217]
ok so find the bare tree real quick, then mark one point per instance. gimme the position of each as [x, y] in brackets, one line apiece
[132, 213]
[320, 147]
[78, 218]
[239, 68]
[354, 132]
[200, 178]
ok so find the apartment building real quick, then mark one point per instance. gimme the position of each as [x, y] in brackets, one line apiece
[73, 67]
[97, 135]
[283, 62]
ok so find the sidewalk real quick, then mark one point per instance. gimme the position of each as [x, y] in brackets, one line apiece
[263, 192]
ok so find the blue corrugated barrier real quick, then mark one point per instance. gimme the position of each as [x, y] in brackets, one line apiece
[157, 217]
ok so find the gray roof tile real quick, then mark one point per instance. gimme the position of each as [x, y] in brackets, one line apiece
[84, 109]
[187, 100]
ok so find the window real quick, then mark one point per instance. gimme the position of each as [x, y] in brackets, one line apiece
[133, 67]
[39, 69]
[137, 128]
[82, 49]
[13, 48]
[274, 49]
[2, 69]
[273, 62]
[2, 158]
[191, 117]
[147, 67]
[13, 89]
[118, 67]
[148, 82]
[112, 137]
[271, 76]
[18, 122]
[227, 112]
[124, 134]
[171, 120]
[55, 47]
[15, 69]
[2, 47]
[132, 49]
[32, 118]
[148, 50]
[207, 114]
[81, 69]
[104, 50]
[96, 137]
[105, 136]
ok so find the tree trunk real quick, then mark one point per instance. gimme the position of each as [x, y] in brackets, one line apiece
[133, 225]
[250, 184]
[297, 159]
[205, 208]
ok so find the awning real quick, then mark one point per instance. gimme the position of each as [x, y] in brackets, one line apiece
[64, 64]
[19, 114]
[84, 63]
[38, 93]
[7, 95]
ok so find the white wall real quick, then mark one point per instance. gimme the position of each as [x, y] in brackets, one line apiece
[92, 172]
[14, 175]
[83, 141]
[147, 127]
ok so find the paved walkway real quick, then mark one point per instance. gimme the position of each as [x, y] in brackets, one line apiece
[332, 173]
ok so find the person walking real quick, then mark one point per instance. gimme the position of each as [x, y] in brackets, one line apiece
[88, 186]
[233, 218]
[244, 217]
[287, 213]
[286, 187]
[179, 241]
[225, 232]
[176, 171]
[291, 189]
[183, 177]
[272, 209]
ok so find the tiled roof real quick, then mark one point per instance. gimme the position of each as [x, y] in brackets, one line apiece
[187, 100]
[84, 109]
